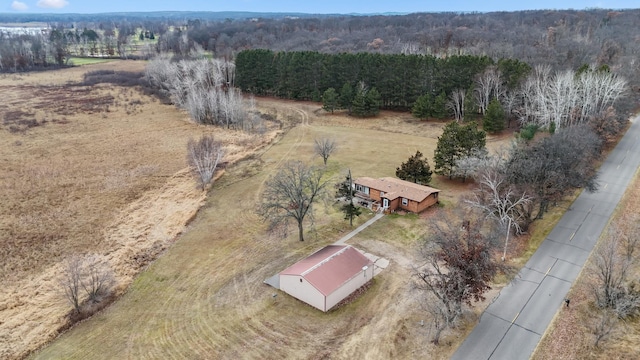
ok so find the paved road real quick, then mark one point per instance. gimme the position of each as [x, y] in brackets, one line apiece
[511, 327]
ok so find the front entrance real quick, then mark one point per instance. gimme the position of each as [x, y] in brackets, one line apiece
[385, 203]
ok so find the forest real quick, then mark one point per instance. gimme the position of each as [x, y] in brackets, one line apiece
[400, 79]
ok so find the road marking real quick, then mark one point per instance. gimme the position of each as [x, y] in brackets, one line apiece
[574, 234]
[605, 186]
[514, 319]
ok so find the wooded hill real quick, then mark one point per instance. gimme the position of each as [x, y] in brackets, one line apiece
[562, 39]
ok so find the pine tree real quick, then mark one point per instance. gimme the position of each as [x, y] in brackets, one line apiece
[416, 169]
[494, 119]
[440, 106]
[422, 108]
[346, 190]
[358, 105]
[456, 142]
[372, 102]
[346, 97]
[330, 100]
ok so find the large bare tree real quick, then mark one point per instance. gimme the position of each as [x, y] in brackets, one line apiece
[290, 195]
[457, 263]
[203, 157]
[499, 200]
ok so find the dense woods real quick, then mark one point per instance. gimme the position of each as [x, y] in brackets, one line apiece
[400, 79]
[563, 39]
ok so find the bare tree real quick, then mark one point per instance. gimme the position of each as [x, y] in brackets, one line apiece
[90, 273]
[98, 277]
[603, 327]
[324, 147]
[71, 280]
[547, 169]
[610, 269]
[456, 103]
[566, 98]
[499, 200]
[203, 157]
[290, 194]
[457, 263]
[488, 87]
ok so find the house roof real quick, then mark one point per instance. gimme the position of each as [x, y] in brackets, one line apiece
[394, 188]
[330, 267]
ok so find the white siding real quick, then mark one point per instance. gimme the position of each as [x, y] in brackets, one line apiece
[350, 286]
[302, 290]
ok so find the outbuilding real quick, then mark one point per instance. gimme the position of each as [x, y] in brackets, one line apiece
[328, 276]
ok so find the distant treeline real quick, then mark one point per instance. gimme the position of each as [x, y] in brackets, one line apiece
[400, 79]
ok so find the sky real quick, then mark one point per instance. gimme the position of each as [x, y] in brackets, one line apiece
[304, 6]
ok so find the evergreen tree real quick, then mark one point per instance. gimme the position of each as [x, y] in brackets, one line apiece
[494, 118]
[456, 142]
[422, 108]
[366, 102]
[372, 102]
[358, 105]
[330, 100]
[346, 190]
[346, 97]
[416, 169]
[440, 106]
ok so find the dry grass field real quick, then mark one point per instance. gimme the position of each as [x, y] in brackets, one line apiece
[111, 180]
[86, 170]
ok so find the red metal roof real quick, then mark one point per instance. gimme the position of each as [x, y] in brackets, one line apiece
[330, 267]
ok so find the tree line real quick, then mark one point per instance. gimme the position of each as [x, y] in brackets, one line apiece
[399, 79]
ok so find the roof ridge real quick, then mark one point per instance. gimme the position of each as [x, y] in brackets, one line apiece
[325, 260]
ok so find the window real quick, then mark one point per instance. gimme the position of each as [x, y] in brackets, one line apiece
[405, 201]
[381, 193]
[362, 189]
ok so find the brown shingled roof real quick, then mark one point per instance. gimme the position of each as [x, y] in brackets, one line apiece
[394, 188]
[330, 267]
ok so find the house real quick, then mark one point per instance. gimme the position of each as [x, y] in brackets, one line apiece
[391, 194]
[326, 277]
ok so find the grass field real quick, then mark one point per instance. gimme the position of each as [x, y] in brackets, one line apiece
[109, 175]
[98, 169]
[205, 297]
[77, 61]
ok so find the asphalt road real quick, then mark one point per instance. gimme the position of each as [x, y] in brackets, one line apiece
[511, 327]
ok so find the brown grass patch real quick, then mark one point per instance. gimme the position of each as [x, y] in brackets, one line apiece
[103, 171]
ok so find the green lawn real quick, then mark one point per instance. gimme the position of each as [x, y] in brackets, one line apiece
[79, 61]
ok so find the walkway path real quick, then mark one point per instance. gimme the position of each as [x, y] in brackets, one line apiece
[357, 230]
[511, 327]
